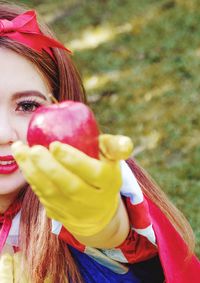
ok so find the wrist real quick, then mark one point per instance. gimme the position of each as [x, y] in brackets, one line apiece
[113, 234]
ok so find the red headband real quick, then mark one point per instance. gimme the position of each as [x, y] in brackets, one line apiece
[24, 29]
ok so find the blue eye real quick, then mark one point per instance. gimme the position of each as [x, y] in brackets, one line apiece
[27, 106]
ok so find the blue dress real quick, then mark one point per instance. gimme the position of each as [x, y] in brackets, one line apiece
[149, 271]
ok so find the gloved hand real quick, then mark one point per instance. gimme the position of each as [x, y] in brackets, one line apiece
[6, 268]
[79, 191]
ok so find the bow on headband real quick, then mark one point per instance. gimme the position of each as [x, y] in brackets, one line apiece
[25, 30]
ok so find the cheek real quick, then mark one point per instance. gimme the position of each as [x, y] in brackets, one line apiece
[20, 125]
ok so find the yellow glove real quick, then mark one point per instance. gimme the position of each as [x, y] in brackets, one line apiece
[79, 191]
[6, 269]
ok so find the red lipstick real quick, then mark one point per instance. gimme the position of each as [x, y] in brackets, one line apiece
[7, 164]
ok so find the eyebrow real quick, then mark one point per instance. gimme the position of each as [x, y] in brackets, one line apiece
[20, 94]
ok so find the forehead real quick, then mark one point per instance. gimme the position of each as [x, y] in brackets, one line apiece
[19, 74]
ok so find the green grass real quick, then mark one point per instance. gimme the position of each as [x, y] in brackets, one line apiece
[140, 61]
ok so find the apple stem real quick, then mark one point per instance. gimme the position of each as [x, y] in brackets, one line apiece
[53, 99]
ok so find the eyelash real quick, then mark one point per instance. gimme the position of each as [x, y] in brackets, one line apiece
[25, 106]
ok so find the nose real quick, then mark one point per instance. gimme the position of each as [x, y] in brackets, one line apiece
[7, 131]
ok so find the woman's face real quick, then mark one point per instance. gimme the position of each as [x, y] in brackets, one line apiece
[22, 90]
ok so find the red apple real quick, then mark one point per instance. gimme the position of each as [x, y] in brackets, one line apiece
[69, 122]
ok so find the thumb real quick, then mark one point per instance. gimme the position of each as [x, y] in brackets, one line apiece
[6, 269]
[115, 147]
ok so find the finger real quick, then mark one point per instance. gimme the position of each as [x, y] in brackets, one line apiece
[67, 182]
[39, 182]
[43, 166]
[87, 168]
[6, 269]
[115, 147]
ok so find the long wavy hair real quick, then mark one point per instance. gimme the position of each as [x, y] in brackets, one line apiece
[43, 253]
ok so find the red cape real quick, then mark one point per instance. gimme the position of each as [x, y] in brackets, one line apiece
[177, 266]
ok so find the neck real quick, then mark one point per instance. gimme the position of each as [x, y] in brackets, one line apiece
[6, 201]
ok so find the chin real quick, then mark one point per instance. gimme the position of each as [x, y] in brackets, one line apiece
[12, 183]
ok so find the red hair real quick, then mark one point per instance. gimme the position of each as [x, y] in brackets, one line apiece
[43, 253]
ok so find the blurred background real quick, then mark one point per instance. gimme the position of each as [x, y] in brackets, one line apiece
[140, 63]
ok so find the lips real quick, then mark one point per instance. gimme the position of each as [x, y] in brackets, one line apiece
[8, 164]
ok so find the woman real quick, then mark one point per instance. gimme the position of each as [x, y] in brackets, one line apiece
[66, 217]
